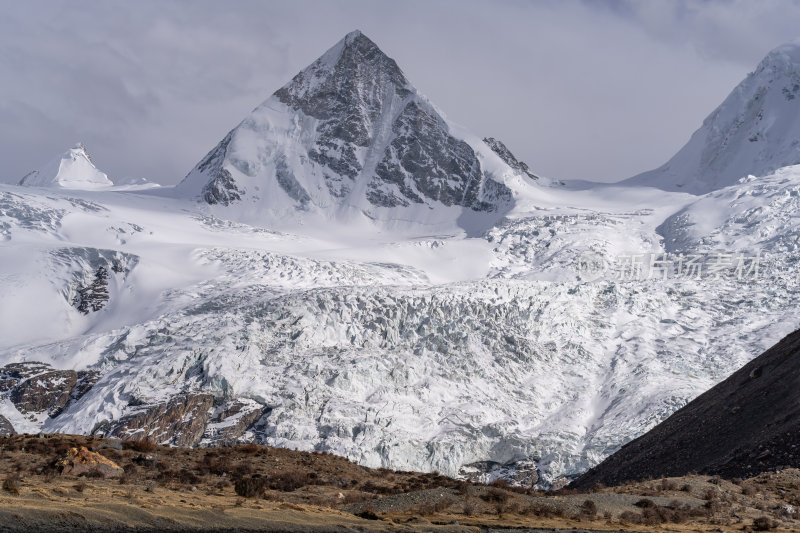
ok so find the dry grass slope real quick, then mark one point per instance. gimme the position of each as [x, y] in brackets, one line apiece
[251, 487]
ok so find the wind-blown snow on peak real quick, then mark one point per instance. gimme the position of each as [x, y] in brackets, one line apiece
[755, 131]
[74, 169]
[350, 136]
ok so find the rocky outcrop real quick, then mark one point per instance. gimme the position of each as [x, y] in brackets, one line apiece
[7, 382]
[221, 187]
[6, 428]
[179, 422]
[38, 392]
[748, 424]
[37, 388]
[97, 274]
[82, 462]
[21, 371]
[232, 420]
[86, 380]
[516, 473]
[48, 392]
[505, 154]
[93, 296]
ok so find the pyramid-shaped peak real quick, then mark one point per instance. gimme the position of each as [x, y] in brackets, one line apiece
[355, 40]
[350, 136]
[73, 169]
[353, 71]
[357, 47]
[356, 35]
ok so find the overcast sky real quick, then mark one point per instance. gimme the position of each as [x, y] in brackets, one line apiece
[579, 89]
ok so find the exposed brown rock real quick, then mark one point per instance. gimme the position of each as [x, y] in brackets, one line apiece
[26, 370]
[6, 428]
[516, 473]
[232, 421]
[7, 382]
[180, 422]
[86, 380]
[81, 461]
[48, 391]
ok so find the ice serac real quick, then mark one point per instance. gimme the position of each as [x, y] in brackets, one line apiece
[74, 169]
[755, 131]
[349, 136]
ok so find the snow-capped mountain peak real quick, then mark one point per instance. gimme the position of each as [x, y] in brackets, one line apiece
[74, 169]
[354, 72]
[755, 131]
[351, 136]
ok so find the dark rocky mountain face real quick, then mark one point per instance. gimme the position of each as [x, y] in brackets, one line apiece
[94, 296]
[748, 424]
[425, 162]
[221, 188]
[349, 95]
[370, 127]
[505, 154]
[180, 421]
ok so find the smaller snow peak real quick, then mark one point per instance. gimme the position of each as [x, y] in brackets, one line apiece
[74, 169]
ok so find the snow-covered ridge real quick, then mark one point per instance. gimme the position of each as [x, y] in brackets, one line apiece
[755, 131]
[74, 169]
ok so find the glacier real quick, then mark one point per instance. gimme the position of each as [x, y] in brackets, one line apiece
[415, 353]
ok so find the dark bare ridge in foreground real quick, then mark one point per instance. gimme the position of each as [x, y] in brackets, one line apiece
[745, 425]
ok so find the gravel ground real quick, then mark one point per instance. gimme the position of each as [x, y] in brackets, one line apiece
[569, 504]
